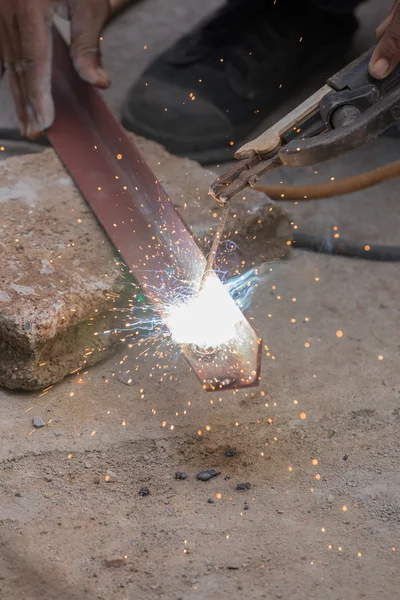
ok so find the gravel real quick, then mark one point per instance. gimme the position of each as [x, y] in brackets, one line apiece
[206, 475]
[38, 422]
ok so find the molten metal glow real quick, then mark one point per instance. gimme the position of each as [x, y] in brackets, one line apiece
[208, 319]
[207, 326]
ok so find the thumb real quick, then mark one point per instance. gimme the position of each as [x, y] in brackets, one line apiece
[87, 21]
[386, 55]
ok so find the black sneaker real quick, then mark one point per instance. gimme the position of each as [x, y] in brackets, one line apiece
[204, 96]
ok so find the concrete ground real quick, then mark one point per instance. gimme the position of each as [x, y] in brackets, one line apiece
[318, 441]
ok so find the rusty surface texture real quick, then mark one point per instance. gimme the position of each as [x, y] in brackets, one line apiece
[140, 219]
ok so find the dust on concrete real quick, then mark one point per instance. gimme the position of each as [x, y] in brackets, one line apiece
[318, 442]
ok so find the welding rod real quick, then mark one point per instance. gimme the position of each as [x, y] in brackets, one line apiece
[215, 244]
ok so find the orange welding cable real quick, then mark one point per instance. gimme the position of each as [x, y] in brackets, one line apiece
[331, 188]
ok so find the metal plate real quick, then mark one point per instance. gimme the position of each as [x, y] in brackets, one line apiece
[140, 219]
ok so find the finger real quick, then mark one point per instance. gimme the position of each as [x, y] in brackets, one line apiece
[10, 48]
[2, 66]
[386, 55]
[35, 20]
[87, 21]
[380, 30]
[25, 51]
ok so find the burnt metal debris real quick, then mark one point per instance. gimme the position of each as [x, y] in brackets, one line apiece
[206, 475]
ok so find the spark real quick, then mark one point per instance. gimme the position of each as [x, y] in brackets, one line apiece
[207, 319]
[204, 320]
[45, 391]
[203, 314]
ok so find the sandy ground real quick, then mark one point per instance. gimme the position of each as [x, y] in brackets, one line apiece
[318, 442]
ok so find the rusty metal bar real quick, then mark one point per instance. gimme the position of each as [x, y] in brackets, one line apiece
[138, 216]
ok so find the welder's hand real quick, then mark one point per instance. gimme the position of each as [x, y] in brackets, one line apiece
[386, 55]
[26, 49]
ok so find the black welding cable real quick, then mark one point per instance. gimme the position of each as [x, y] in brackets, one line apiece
[321, 191]
[13, 135]
[377, 252]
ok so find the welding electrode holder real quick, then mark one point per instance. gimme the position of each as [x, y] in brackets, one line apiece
[349, 111]
[357, 111]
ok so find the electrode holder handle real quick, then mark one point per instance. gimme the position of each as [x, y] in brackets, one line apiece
[378, 108]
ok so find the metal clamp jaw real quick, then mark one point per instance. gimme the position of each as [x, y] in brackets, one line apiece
[350, 110]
